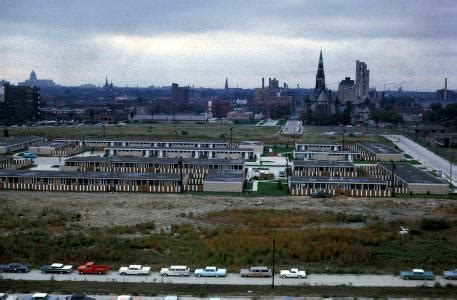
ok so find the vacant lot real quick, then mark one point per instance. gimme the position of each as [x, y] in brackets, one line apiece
[269, 134]
[353, 235]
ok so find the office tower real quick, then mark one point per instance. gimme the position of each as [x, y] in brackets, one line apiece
[19, 104]
[362, 80]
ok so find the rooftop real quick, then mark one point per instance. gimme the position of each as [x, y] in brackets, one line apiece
[377, 148]
[137, 140]
[225, 176]
[5, 142]
[177, 148]
[323, 163]
[90, 175]
[327, 179]
[255, 143]
[164, 160]
[410, 174]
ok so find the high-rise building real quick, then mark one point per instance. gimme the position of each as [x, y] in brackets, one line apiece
[180, 94]
[362, 80]
[347, 91]
[19, 104]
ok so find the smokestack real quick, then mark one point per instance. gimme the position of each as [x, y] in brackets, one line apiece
[445, 89]
[269, 82]
[263, 83]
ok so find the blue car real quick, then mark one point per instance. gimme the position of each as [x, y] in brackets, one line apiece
[210, 272]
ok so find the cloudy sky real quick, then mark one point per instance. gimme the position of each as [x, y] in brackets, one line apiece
[408, 43]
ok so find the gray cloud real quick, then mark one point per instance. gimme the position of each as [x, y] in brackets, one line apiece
[71, 41]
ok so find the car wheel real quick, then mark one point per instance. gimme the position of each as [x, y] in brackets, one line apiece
[123, 273]
[181, 275]
[299, 276]
[99, 273]
[81, 272]
[164, 274]
[282, 276]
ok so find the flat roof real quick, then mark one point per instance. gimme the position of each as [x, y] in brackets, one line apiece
[139, 140]
[255, 143]
[55, 144]
[329, 152]
[90, 175]
[5, 142]
[328, 179]
[378, 148]
[178, 148]
[410, 174]
[5, 158]
[159, 160]
[320, 144]
[322, 163]
[225, 176]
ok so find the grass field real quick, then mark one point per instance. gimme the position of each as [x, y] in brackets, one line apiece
[269, 134]
[322, 242]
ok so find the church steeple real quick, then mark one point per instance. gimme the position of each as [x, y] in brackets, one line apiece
[226, 84]
[320, 75]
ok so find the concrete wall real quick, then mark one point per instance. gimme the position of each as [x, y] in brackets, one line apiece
[217, 186]
[440, 189]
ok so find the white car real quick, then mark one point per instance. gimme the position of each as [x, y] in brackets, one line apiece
[175, 271]
[292, 273]
[135, 270]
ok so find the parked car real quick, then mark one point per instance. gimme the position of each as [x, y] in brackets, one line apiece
[124, 297]
[43, 296]
[92, 268]
[417, 274]
[175, 271]
[135, 270]
[320, 194]
[258, 271]
[57, 268]
[5, 296]
[15, 268]
[79, 296]
[450, 274]
[210, 272]
[292, 273]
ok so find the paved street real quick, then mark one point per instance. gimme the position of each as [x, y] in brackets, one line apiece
[425, 156]
[292, 127]
[235, 279]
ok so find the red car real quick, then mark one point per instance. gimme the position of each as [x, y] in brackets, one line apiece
[92, 268]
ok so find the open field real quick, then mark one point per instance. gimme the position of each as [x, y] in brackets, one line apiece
[343, 235]
[257, 291]
[269, 134]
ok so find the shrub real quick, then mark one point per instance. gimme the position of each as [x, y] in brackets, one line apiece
[434, 224]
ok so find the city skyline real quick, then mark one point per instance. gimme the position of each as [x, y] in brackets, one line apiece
[201, 43]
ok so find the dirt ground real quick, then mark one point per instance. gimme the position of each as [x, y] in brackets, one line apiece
[107, 209]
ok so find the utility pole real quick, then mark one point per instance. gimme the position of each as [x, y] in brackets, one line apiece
[451, 161]
[393, 179]
[104, 131]
[344, 133]
[273, 267]
[180, 171]
[231, 136]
